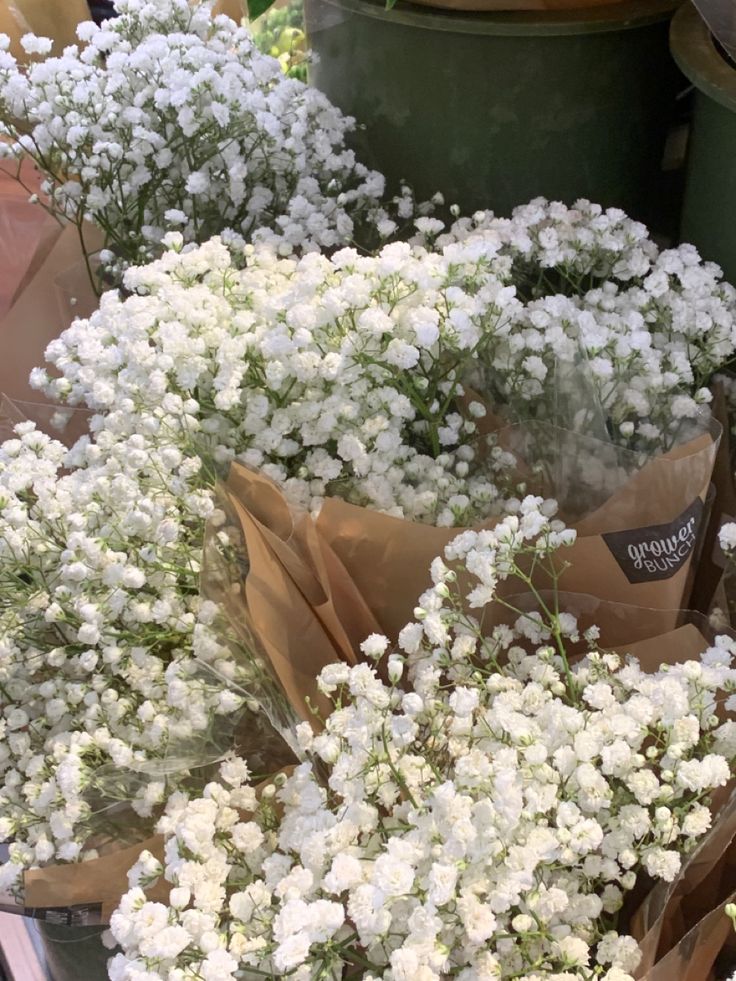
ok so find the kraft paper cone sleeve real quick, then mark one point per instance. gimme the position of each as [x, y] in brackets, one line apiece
[55, 19]
[296, 599]
[666, 496]
[37, 318]
[97, 885]
[388, 558]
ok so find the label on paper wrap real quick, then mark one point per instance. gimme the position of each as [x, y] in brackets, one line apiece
[657, 551]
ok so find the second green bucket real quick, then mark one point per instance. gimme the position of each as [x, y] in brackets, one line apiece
[709, 211]
[494, 109]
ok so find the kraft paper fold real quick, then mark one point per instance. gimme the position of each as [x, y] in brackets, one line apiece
[27, 231]
[628, 630]
[42, 311]
[97, 885]
[297, 600]
[234, 9]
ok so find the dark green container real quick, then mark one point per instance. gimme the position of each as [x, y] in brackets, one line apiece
[709, 209]
[74, 953]
[493, 109]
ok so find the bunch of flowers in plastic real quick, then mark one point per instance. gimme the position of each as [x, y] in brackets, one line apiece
[167, 118]
[102, 701]
[477, 808]
[371, 377]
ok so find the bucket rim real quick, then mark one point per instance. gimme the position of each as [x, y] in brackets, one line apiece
[605, 18]
[697, 57]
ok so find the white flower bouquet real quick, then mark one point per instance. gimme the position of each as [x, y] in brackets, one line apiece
[475, 805]
[105, 709]
[368, 388]
[343, 381]
[166, 117]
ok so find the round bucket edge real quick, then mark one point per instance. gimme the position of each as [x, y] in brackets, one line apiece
[588, 20]
[697, 57]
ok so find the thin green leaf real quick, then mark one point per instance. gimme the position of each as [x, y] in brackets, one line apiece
[258, 7]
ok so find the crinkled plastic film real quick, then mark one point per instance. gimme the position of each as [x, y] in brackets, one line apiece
[641, 632]
[86, 893]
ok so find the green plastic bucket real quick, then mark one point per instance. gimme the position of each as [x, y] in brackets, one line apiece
[493, 109]
[709, 208]
[74, 953]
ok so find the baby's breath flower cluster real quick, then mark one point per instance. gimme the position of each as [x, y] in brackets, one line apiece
[727, 543]
[166, 118]
[370, 377]
[340, 376]
[479, 814]
[644, 325]
[101, 698]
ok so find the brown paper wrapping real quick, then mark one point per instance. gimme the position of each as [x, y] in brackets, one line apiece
[673, 949]
[685, 643]
[297, 600]
[42, 310]
[643, 633]
[681, 926]
[388, 558]
[55, 19]
[97, 885]
[235, 9]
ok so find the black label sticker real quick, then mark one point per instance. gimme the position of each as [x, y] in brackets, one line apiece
[658, 551]
[72, 916]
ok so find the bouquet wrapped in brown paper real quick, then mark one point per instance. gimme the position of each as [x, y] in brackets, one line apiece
[682, 927]
[636, 547]
[85, 893]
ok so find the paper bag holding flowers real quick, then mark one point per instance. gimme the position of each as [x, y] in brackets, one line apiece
[636, 545]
